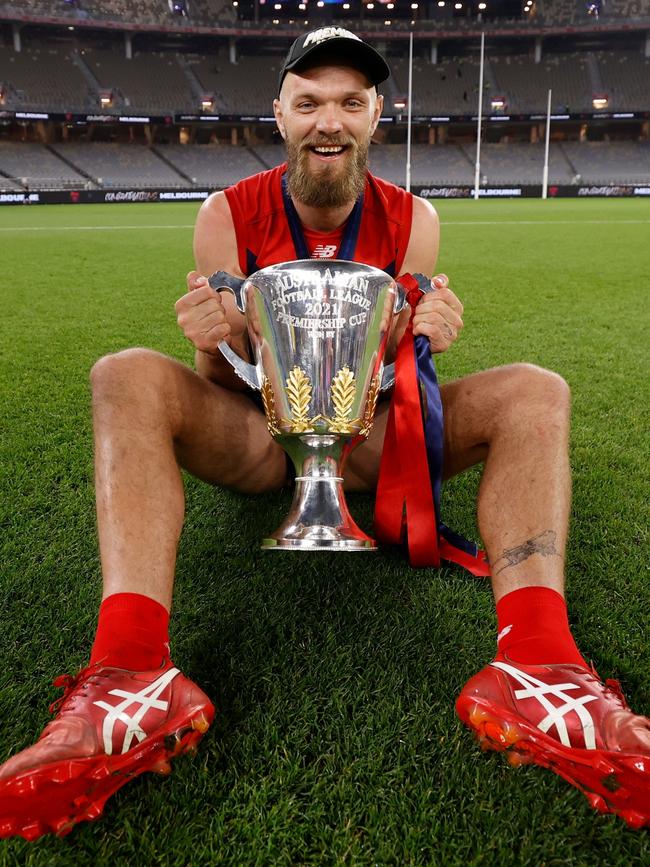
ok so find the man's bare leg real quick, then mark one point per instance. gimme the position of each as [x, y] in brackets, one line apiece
[152, 416]
[516, 419]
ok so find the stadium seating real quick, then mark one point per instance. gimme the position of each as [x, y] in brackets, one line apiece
[115, 165]
[152, 83]
[609, 162]
[218, 165]
[37, 167]
[202, 12]
[249, 86]
[270, 155]
[44, 78]
[48, 77]
[212, 165]
[626, 79]
[449, 87]
[525, 84]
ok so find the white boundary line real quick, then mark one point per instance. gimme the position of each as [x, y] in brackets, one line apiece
[87, 228]
[445, 223]
[540, 222]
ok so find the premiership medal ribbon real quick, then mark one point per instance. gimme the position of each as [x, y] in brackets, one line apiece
[407, 507]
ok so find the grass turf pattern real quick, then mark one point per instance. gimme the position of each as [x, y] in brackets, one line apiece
[335, 740]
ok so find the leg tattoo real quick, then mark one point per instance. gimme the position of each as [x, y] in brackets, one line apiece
[543, 544]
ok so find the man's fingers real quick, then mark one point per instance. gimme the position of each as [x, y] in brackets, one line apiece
[440, 335]
[195, 281]
[440, 281]
[207, 332]
[437, 311]
[195, 297]
[445, 294]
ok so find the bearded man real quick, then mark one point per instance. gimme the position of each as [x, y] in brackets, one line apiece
[131, 709]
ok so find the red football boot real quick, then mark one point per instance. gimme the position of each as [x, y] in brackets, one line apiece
[563, 718]
[112, 725]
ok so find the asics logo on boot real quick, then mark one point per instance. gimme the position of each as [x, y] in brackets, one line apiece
[146, 698]
[555, 718]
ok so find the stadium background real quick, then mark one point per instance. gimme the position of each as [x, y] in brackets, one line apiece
[131, 99]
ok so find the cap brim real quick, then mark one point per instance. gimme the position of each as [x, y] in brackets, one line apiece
[358, 54]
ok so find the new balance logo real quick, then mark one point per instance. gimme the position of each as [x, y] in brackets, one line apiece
[324, 251]
[555, 718]
[146, 699]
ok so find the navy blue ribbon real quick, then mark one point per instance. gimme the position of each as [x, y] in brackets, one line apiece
[350, 235]
[433, 421]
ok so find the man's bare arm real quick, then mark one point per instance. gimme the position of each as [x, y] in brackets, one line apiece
[439, 314]
[205, 316]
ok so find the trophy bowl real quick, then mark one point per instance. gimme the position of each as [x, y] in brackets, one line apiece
[318, 332]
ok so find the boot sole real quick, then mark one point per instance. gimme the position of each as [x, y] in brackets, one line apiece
[612, 782]
[56, 797]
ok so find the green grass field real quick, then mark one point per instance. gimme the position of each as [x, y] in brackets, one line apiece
[336, 740]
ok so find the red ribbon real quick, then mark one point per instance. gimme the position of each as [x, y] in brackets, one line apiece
[404, 503]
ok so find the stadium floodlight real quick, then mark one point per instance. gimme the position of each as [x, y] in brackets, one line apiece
[482, 6]
[346, 5]
[371, 6]
[414, 5]
[441, 3]
[387, 22]
[390, 6]
[302, 6]
[458, 5]
[600, 101]
[277, 6]
[320, 4]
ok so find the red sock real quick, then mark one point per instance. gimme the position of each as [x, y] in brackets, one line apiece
[132, 633]
[534, 628]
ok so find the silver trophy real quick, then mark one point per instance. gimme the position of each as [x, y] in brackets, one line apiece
[318, 332]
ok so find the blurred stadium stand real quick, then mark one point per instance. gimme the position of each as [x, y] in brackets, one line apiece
[44, 78]
[169, 68]
[114, 165]
[37, 167]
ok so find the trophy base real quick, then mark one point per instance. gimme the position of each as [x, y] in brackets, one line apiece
[317, 543]
[319, 520]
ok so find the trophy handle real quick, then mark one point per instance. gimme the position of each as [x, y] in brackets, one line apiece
[222, 281]
[424, 283]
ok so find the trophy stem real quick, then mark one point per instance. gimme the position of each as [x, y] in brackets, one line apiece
[319, 519]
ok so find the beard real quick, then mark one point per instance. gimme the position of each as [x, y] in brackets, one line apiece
[331, 186]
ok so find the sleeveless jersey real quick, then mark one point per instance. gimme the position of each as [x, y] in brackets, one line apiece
[264, 237]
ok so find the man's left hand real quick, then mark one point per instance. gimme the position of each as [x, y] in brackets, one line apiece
[438, 315]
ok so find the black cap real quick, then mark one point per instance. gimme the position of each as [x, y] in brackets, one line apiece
[335, 42]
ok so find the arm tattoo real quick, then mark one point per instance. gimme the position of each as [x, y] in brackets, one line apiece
[543, 544]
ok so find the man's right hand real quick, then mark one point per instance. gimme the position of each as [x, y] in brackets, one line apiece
[201, 315]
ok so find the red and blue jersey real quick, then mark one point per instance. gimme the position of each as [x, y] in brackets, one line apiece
[264, 235]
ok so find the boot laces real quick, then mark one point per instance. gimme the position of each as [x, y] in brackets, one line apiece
[69, 683]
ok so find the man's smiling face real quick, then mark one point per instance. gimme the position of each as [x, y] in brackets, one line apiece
[327, 115]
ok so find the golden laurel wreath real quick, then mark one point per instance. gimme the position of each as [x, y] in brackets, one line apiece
[343, 391]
